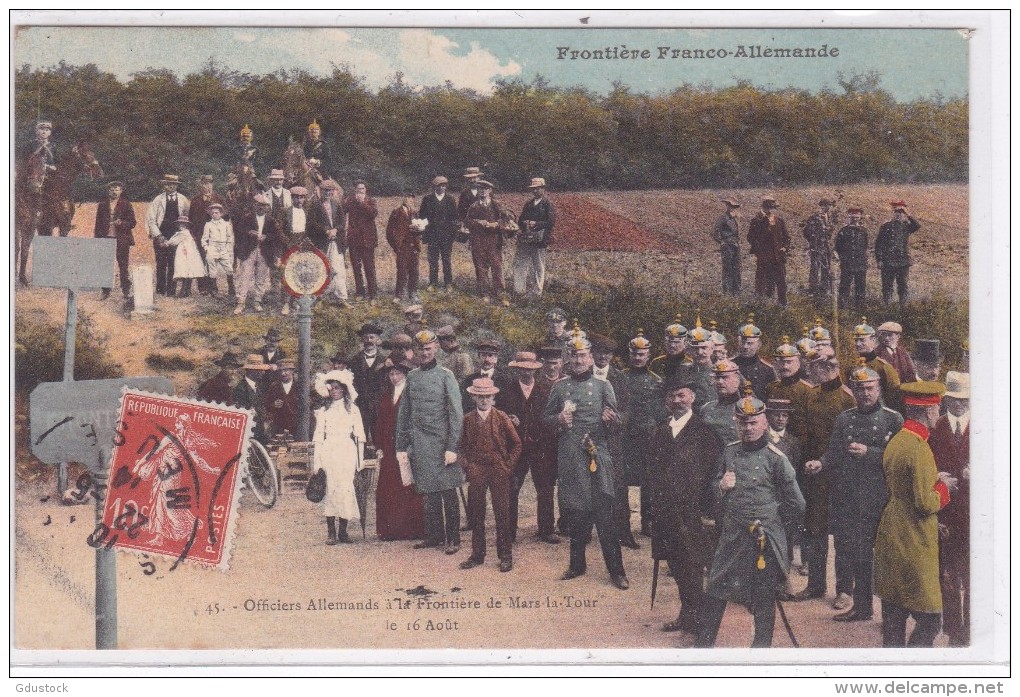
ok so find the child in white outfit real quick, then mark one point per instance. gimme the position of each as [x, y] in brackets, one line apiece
[218, 243]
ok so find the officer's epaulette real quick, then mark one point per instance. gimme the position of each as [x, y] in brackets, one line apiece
[847, 390]
[882, 360]
[806, 382]
[891, 411]
[659, 358]
[777, 451]
[730, 445]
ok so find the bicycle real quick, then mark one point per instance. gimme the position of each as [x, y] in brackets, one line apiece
[261, 475]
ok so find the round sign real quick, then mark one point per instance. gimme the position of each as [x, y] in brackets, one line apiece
[305, 271]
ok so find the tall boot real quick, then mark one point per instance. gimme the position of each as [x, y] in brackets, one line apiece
[230, 287]
[578, 565]
[185, 291]
[331, 530]
[341, 531]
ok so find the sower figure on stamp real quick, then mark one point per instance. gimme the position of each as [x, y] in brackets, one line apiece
[759, 502]
[440, 209]
[892, 250]
[115, 217]
[818, 231]
[161, 224]
[852, 250]
[680, 475]
[536, 222]
[582, 407]
[726, 234]
[429, 425]
[489, 451]
[857, 485]
[769, 243]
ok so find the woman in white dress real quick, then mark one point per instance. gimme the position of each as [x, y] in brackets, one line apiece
[339, 436]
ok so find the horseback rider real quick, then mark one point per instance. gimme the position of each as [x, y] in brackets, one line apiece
[247, 154]
[43, 146]
[316, 150]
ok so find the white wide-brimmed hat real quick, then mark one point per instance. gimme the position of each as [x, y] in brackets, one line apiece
[344, 377]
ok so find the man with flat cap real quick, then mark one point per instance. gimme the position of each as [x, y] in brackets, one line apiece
[115, 218]
[602, 350]
[853, 459]
[889, 350]
[440, 210]
[770, 243]
[581, 408]
[536, 223]
[852, 250]
[257, 245]
[675, 343]
[818, 230]
[892, 251]
[757, 493]
[907, 544]
[683, 462]
[752, 366]
[726, 233]
[487, 349]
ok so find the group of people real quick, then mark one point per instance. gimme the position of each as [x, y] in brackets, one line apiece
[246, 232]
[745, 466]
[770, 244]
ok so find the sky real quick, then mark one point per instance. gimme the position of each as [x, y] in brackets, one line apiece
[913, 63]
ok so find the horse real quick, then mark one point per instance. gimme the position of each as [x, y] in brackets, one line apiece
[43, 199]
[296, 170]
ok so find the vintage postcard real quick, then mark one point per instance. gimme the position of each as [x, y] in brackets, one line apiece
[495, 338]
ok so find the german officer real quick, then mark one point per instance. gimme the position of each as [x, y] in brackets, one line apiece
[698, 366]
[675, 342]
[852, 250]
[892, 250]
[752, 366]
[718, 413]
[866, 343]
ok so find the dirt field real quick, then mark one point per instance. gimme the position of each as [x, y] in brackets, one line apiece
[278, 554]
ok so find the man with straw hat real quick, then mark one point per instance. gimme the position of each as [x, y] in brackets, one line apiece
[161, 224]
[469, 194]
[249, 391]
[536, 222]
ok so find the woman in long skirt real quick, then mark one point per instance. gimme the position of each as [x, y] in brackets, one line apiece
[339, 436]
[399, 508]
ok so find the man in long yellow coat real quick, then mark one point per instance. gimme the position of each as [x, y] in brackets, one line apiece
[907, 546]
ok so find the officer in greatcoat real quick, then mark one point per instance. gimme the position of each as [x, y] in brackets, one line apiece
[852, 250]
[892, 250]
[674, 341]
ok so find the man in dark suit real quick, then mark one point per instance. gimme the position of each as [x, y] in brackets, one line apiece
[362, 239]
[370, 376]
[440, 209]
[281, 400]
[248, 393]
[536, 223]
[770, 243]
[220, 387]
[488, 357]
[256, 242]
[680, 476]
[116, 218]
[327, 230]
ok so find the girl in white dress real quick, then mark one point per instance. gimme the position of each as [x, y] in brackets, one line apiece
[339, 436]
[187, 261]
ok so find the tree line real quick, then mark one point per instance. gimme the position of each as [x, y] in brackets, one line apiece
[397, 138]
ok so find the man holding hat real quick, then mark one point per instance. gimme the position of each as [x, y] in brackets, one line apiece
[726, 234]
[581, 409]
[370, 374]
[853, 459]
[161, 224]
[950, 444]
[889, 350]
[866, 344]
[485, 223]
[683, 463]
[489, 451]
[770, 243]
[454, 357]
[248, 393]
[281, 400]
[115, 217]
[405, 241]
[257, 243]
[818, 229]
[220, 387]
[524, 402]
[362, 239]
[536, 222]
[675, 343]
[440, 210]
[892, 250]
[756, 490]
[429, 424]
[907, 545]
[752, 366]
[852, 250]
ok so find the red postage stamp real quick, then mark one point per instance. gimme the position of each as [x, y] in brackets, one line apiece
[174, 478]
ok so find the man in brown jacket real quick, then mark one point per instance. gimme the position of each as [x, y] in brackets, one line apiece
[116, 218]
[362, 238]
[485, 221]
[489, 451]
[770, 243]
[406, 244]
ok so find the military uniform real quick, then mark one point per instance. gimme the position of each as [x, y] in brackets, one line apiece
[642, 407]
[888, 377]
[665, 366]
[718, 415]
[701, 376]
[756, 371]
[858, 493]
[796, 389]
[726, 233]
[892, 250]
[818, 233]
[852, 249]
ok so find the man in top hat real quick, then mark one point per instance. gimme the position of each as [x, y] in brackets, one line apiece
[757, 492]
[220, 387]
[489, 451]
[818, 230]
[907, 544]
[852, 250]
[928, 359]
[161, 224]
[752, 366]
[950, 445]
[429, 425]
[892, 251]
[248, 394]
[675, 344]
[469, 194]
[698, 367]
[199, 216]
[362, 239]
[370, 376]
[487, 349]
[581, 409]
[853, 459]
[792, 386]
[257, 244]
[486, 222]
[281, 399]
[889, 350]
[440, 210]
[866, 344]
[726, 233]
[826, 400]
[524, 402]
[641, 409]
[718, 413]
[317, 151]
[683, 463]
[770, 243]
[405, 241]
[278, 195]
[454, 357]
[536, 223]
[115, 217]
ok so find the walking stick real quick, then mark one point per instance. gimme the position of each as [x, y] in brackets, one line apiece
[655, 580]
[786, 623]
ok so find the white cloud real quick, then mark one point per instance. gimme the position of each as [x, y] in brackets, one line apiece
[428, 59]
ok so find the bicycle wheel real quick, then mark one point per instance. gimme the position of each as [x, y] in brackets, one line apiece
[263, 477]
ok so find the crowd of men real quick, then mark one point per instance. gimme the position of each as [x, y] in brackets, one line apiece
[745, 466]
